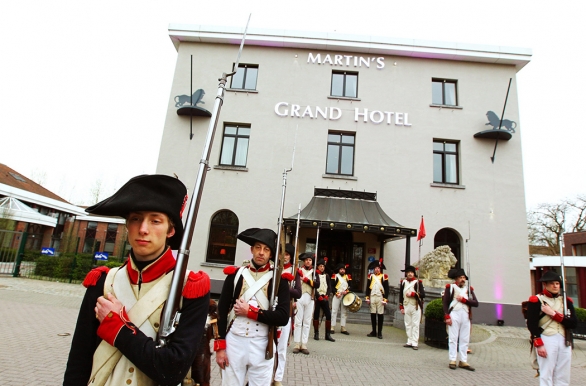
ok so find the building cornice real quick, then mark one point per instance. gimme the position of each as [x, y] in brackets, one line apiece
[38, 199]
[375, 45]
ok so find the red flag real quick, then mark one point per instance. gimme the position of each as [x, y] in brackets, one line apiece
[421, 233]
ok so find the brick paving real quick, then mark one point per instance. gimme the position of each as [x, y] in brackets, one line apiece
[37, 316]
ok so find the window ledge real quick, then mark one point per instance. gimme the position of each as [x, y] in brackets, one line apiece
[452, 186]
[234, 168]
[340, 177]
[446, 106]
[242, 90]
[344, 98]
[214, 265]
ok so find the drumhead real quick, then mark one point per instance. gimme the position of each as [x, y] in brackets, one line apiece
[349, 298]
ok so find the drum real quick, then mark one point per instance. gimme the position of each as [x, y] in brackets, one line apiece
[352, 301]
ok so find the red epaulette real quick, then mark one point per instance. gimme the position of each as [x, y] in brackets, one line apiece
[386, 277]
[287, 276]
[570, 300]
[448, 285]
[533, 299]
[349, 277]
[197, 285]
[333, 276]
[369, 275]
[94, 275]
[230, 270]
[471, 288]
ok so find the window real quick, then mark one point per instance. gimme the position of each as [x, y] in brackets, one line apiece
[344, 84]
[245, 77]
[90, 237]
[235, 145]
[443, 92]
[222, 241]
[579, 249]
[445, 162]
[340, 158]
[110, 240]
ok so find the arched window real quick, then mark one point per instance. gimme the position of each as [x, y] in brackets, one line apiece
[450, 238]
[222, 241]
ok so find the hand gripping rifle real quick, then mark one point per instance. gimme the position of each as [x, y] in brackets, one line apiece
[170, 314]
[278, 270]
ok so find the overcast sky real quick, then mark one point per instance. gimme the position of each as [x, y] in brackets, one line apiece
[84, 86]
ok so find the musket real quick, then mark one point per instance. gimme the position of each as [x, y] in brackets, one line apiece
[563, 290]
[468, 261]
[170, 314]
[315, 262]
[278, 270]
[294, 258]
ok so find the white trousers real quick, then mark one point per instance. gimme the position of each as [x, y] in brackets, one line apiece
[282, 351]
[303, 319]
[337, 303]
[555, 369]
[247, 356]
[459, 330]
[412, 319]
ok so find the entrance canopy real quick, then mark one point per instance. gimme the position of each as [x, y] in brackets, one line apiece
[349, 210]
[13, 209]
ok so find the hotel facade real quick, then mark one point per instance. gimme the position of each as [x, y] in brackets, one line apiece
[378, 132]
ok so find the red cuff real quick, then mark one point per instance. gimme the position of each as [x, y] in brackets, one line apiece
[252, 312]
[537, 342]
[219, 344]
[446, 317]
[401, 307]
[463, 300]
[112, 324]
[558, 317]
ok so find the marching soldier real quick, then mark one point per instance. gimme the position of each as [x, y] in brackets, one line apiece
[341, 286]
[115, 337]
[285, 331]
[377, 291]
[304, 304]
[244, 313]
[322, 301]
[549, 329]
[411, 296]
[457, 303]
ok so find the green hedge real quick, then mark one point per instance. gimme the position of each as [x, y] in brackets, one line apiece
[435, 310]
[580, 314]
[68, 267]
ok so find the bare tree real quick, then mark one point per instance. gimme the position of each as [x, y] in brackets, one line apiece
[548, 222]
[96, 191]
[39, 176]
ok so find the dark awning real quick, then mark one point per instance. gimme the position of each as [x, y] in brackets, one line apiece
[334, 209]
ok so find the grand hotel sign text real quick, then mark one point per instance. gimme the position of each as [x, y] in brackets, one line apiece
[284, 109]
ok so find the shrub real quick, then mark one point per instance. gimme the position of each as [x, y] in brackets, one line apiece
[580, 314]
[435, 310]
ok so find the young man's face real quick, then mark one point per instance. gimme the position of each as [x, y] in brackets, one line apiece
[461, 281]
[148, 233]
[261, 253]
[307, 263]
[410, 275]
[553, 287]
[377, 270]
[321, 267]
[287, 258]
[342, 271]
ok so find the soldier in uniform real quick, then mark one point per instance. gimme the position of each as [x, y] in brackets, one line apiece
[323, 290]
[114, 339]
[304, 304]
[341, 285]
[457, 303]
[549, 328]
[243, 340]
[377, 291]
[285, 331]
[411, 296]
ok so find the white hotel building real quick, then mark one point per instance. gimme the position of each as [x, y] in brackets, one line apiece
[384, 130]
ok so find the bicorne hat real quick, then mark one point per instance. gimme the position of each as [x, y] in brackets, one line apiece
[340, 266]
[456, 272]
[261, 235]
[374, 264]
[551, 276]
[152, 193]
[410, 269]
[306, 255]
[290, 249]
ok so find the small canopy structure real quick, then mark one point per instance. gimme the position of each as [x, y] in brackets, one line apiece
[13, 209]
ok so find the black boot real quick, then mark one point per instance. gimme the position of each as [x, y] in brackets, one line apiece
[373, 322]
[380, 326]
[328, 327]
[316, 328]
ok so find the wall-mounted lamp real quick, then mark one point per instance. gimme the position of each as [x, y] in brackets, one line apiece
[500, 322]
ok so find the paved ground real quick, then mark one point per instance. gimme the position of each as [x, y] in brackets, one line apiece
[37, 317]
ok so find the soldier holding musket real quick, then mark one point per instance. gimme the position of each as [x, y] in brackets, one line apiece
[377, 291]
[245, 315]
[550, 330]
[411, 296]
